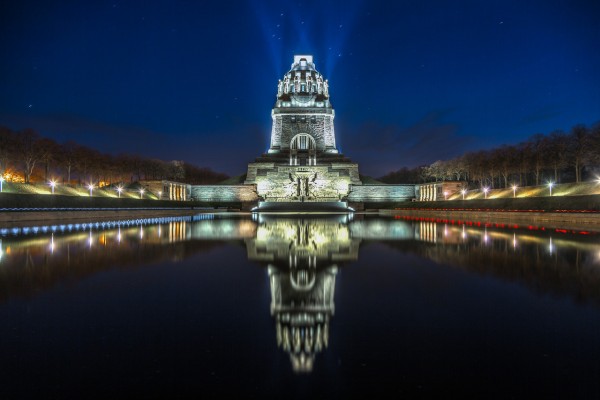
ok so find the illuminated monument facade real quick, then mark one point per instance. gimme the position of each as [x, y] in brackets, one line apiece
[303, 168]
[303, 163]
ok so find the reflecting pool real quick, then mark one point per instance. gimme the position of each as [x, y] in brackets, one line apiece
[213, 305]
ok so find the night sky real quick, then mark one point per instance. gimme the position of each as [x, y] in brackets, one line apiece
[411, 81]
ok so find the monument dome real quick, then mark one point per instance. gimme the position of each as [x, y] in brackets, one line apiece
[303, 86]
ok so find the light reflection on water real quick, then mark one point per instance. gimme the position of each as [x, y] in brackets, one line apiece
[548, 257]
[302, 258]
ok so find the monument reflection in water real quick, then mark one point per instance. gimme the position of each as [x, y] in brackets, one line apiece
[302, 257]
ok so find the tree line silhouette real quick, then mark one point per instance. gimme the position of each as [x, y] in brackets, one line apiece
[27, 156]
[558, 157]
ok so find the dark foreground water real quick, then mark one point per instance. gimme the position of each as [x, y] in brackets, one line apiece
[205, 307]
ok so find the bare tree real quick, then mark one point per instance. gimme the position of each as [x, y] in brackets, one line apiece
[49, 150]
[424, 173]
[578, 149]
[538, 147]
[506, 162]
[456, 169]
[8, 144]
[67, 157]
[84, 161]
[176, 170]
[557, 152]
[30, 151]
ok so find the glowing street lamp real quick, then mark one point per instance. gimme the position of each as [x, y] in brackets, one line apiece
[445, 195]
[514, 188]
[52, 185]
[119, 190]
[141, 193]
[485, 191]
[463, 193]
[91, 187]
[1, 182]
[159, 195]
[550, 184]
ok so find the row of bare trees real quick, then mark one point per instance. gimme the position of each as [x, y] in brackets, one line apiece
[557, 157]
[31, 157]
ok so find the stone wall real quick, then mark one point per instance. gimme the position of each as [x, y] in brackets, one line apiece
[318, 125]
[224, 193]
[168, 190]
[248, 193]
[384, 193]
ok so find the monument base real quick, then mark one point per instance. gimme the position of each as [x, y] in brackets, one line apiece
[300, 207]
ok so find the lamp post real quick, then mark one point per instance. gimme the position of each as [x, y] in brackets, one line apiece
[1, 182]
[119, 190]
[485, 191]
[159, 195]
[463, 193]
[52, 185]
[141, 193]
[550, 184]
[445, 195]
[514, 188]
[91, 187]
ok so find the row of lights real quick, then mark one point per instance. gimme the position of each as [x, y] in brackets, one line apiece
[119, 189]
[91, 187]
[487, 189]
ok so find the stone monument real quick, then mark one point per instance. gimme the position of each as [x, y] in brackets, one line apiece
[303, 169]
[303, 164]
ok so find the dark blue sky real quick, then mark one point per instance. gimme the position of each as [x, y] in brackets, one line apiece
[411, 81]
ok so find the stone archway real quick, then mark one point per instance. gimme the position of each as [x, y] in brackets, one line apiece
[303, 150]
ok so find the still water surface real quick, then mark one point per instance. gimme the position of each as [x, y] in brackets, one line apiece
[319, 307]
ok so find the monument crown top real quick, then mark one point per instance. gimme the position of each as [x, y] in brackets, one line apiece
[303, 62]
[303, 86]
[309, 59]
